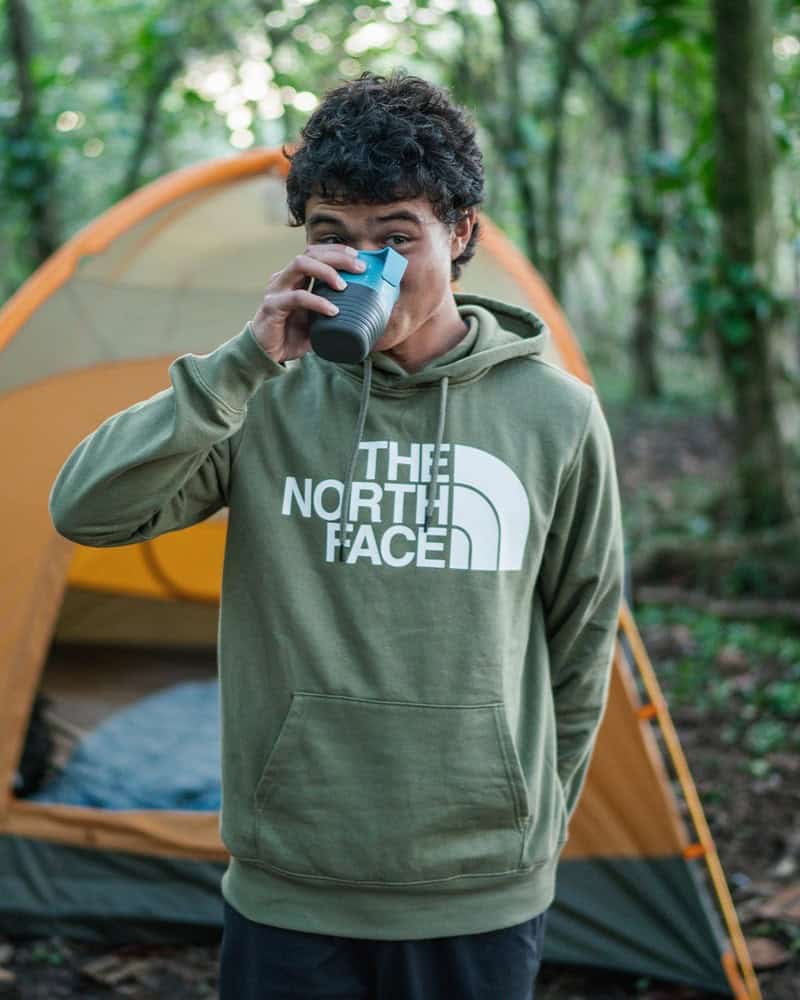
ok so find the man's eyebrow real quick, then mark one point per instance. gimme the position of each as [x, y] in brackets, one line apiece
[322, 217]
[402, 214]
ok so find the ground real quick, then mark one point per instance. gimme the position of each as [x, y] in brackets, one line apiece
[734, 693]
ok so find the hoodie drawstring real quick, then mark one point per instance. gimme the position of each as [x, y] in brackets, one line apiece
[348, 483]
[432, 494]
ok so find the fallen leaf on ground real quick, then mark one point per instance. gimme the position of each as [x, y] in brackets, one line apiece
[766, 953]
[784, 906]
[111, 969]
[731, 658]
[785, 868]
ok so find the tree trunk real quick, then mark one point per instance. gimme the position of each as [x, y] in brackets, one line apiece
[620, 116]
[516, 147]
[747, 332]
[648, 215]
[553, 263]
[554, 259]
[32, 167]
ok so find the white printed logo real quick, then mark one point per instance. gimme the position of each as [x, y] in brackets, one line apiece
[481, 511]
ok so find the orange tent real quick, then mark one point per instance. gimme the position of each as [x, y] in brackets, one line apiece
[176, 267]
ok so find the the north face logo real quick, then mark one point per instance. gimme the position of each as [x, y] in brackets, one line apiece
[481, 514]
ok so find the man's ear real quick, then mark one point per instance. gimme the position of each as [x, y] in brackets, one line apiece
[461, 231]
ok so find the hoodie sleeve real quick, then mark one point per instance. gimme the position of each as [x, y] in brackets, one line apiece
[164, 463]
[582, 581]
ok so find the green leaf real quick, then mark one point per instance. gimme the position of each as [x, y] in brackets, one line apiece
[23, 178]
[740, 274]
[765, 736]
[191, 97]
[650, 29]
[707, 176]
[783, 697]
[736, 329]
[720, 300]
[530, 133]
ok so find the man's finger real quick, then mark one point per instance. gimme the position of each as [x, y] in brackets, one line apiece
[337, 254]
[299, 298]
[304, 267]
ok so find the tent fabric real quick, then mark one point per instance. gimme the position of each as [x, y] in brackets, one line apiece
[636, 915]
[128, 621]
[614, 914]
[116, 897]
[179, 266]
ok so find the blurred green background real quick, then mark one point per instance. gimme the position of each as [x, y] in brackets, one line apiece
[646, 158]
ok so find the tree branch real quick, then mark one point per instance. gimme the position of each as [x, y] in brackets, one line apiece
[618, 113]
[148, 124]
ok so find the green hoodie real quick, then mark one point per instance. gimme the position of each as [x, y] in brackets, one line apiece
[406, 720]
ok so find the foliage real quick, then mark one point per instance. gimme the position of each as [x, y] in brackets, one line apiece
[730, 296]
[103, 62]
[682, 23]
[724, 295]
[743, 676]
[129, 89]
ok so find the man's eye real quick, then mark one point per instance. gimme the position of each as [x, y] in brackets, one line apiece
[330, 239]
[397, 239]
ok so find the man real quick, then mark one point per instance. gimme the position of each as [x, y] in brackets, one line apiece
[422, 582]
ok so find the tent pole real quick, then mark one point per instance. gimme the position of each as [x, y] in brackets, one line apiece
[709, 850]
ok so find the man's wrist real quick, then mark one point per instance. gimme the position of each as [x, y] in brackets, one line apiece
[278, 359]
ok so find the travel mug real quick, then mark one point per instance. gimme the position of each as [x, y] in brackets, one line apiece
[364, 307]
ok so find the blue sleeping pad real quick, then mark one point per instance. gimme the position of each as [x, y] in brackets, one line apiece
[162, 752]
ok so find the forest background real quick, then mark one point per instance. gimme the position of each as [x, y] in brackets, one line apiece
[646, 158]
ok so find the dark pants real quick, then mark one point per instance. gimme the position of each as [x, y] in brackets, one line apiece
[261, 962]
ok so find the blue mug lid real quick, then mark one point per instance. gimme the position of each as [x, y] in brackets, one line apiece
[382, 265]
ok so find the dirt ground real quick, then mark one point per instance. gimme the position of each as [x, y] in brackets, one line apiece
[754, 816]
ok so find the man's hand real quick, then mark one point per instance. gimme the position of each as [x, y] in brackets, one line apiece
[282, 322]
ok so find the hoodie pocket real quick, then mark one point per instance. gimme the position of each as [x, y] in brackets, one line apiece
[386, 792]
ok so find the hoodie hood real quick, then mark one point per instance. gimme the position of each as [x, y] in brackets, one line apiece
[496, 332]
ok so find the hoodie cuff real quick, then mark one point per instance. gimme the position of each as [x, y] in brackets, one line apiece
[236, 369]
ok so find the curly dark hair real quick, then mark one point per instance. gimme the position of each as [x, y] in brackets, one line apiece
[377, 139]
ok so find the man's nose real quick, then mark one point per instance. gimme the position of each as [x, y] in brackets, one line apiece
[367, 243]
